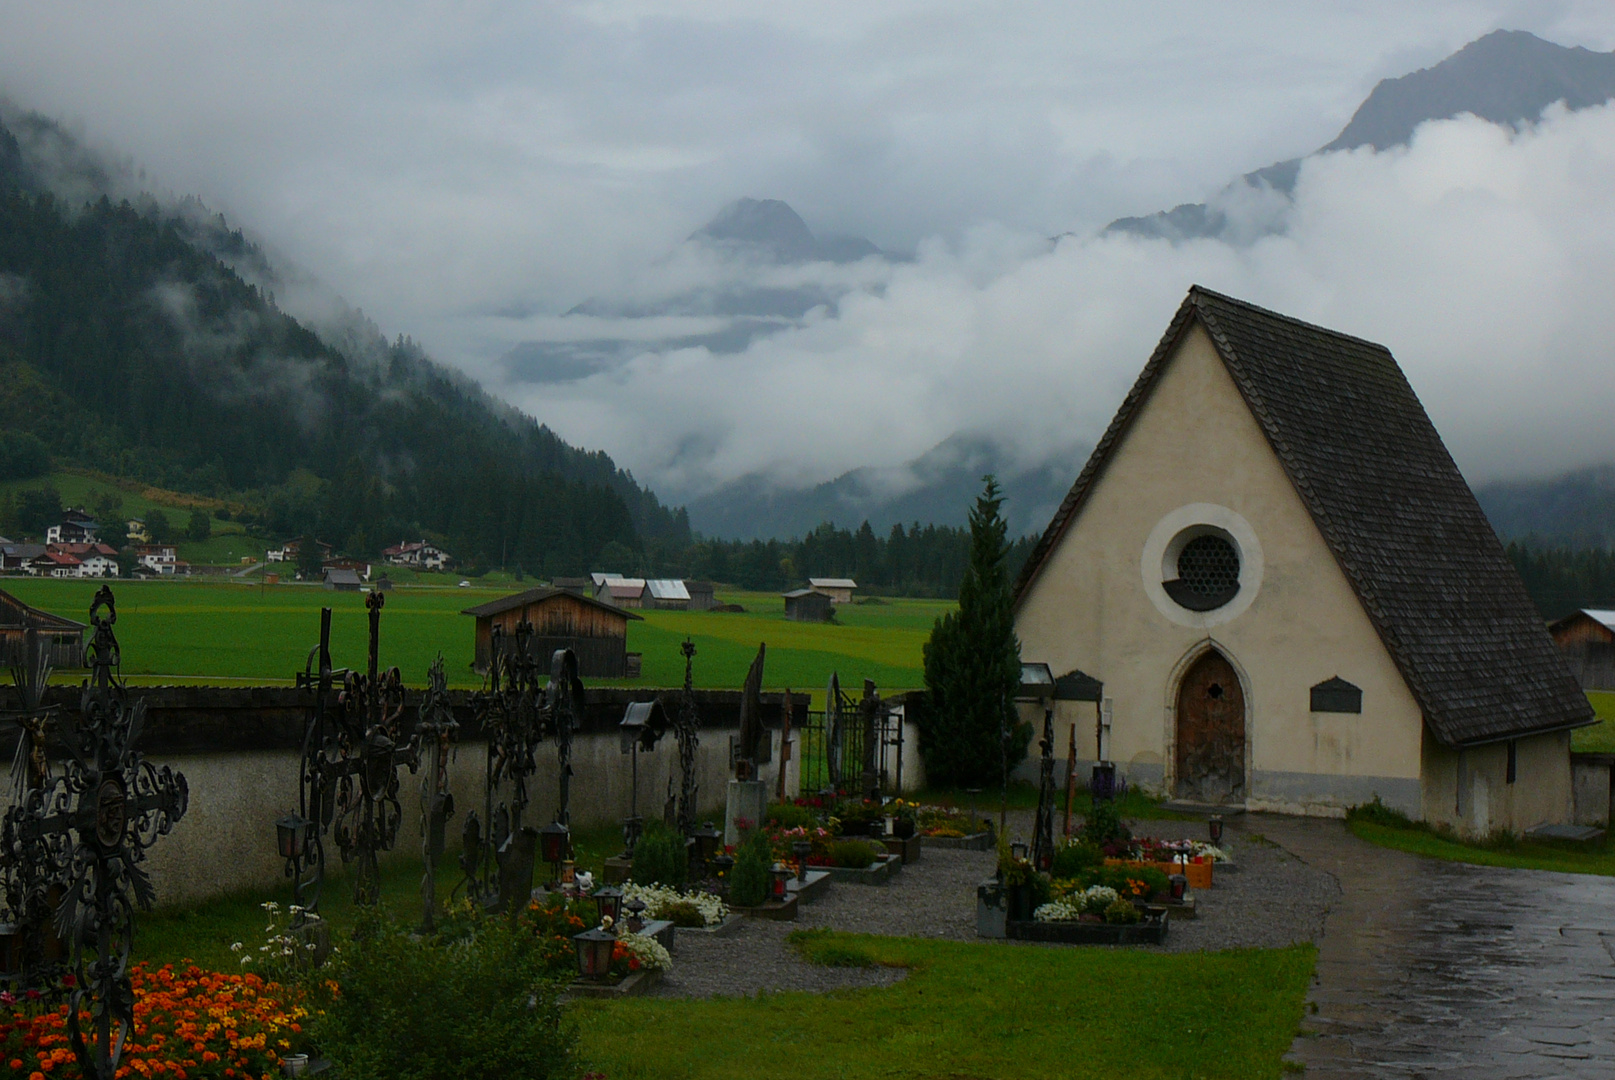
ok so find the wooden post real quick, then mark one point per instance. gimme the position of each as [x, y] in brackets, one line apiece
[784, 746]
[1070, 778]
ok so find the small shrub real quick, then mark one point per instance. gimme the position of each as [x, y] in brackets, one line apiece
[1120, 911]
[1070, 860]
[748, 881]
[492, 1009]
[660, 858]
[789, 816]
[1104, 824]
[1375, 812]
[852, 854]
[684, 913]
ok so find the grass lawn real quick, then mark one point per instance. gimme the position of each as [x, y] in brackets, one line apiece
[975, 1010]
[227, 632]
[1600, 737]
[1519, 854]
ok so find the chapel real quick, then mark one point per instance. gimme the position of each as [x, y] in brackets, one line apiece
[1282, 595]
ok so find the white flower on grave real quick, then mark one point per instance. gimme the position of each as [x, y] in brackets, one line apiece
[235, 946]
[652, 956]
[659, 898]
[1057, 911]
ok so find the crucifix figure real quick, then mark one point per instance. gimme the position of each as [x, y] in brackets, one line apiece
[89, 829]
[435, 734]
[874, 728]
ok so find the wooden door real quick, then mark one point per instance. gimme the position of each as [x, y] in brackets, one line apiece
[1211, 732]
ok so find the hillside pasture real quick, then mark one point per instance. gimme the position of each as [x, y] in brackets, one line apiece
[234, 632]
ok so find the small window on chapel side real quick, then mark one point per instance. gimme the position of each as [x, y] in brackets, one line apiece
[1337, 695]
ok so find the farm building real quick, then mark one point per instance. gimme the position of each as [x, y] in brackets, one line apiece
[342, 579]
[581, 585]
[60, 640]
[703, 595]
[666, 594]
[622, 592]
[808, 605]
[596, 631]
[1290, 596]
[1586, 638]
[838, 589]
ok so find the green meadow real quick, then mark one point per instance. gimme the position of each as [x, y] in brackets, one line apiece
[239, 632]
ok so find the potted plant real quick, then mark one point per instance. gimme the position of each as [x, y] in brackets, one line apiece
[902, 818]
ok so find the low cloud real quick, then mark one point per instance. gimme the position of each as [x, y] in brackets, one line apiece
[1481, 256]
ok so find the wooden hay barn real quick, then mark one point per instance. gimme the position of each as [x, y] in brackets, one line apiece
[596, 631]
[1586, 640]
[61, 640]
[808, 605]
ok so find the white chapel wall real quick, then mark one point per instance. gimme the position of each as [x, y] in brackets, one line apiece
[1195, 441]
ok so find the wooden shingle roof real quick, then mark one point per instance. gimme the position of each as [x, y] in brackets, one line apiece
[1389, 500]
[538, 596]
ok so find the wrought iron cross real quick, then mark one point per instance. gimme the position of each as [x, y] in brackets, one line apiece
[685, 730]
[435, 734]
[24, 883]
[90, 828]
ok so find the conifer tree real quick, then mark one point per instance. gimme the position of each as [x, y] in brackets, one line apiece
[973, 666]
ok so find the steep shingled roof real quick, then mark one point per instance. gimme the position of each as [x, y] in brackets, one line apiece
[1390, 502]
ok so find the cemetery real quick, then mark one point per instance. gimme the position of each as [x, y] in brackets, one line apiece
[630, 841]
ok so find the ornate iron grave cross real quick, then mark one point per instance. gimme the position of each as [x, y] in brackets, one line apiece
[31, 956]
[351, 756]
[686, 722]
[507, 711]
[435, 733]
[89, 828]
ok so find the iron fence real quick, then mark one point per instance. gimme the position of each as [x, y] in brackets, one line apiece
[831, 748]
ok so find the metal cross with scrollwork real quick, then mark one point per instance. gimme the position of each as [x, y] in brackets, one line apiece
[88, 829]
[508, 710]
[685, 730]
[352, 750]
[25, 884]
[435, 734]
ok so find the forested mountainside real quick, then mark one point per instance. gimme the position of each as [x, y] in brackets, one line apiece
[128, 345]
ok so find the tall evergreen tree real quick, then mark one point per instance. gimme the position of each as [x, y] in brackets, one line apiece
[973, 666]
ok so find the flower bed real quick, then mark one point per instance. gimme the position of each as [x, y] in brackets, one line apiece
[188, 1023]
[688, 910]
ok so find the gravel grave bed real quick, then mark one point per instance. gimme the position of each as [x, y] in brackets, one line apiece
[1271, 900]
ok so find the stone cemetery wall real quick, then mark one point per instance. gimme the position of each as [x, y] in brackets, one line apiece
[240, 747]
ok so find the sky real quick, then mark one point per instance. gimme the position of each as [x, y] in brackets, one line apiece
[468, 173]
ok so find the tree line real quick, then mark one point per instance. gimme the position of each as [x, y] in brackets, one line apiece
[1564, 579]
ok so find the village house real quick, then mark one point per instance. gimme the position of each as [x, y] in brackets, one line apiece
[291, 549]
[1289, 595]
[595, 631]
[419, 553]
[94, 560]
[838, 589]
[1586, 639]
[159, 558]
[55, 564]
[136, 531]
[76, 527]
[15, 557]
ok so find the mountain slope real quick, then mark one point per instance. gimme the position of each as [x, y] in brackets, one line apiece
[1576, 509]
[129, 345]
[1506, 77]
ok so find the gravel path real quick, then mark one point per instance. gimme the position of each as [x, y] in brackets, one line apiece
[1272, 899]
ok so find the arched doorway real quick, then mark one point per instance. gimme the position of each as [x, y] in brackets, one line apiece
[1211, 732]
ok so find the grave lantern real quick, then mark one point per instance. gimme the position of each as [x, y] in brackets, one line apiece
[778, 876]
[636, 915]
[594, 952]
[706, 842]
[801, 849]
[553, 840]
[1215, 827]
[1019, 850]
[608, 898]
[291, 833]
[1179, 886]
[722, 864]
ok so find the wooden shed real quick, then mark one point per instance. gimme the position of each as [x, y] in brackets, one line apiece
[61, 640]
[596, 631]
[808, 605]
[1586, 639]
[703, 595]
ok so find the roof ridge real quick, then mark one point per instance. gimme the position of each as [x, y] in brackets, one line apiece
[1201, 290]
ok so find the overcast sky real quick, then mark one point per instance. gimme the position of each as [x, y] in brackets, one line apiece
[437, 164]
